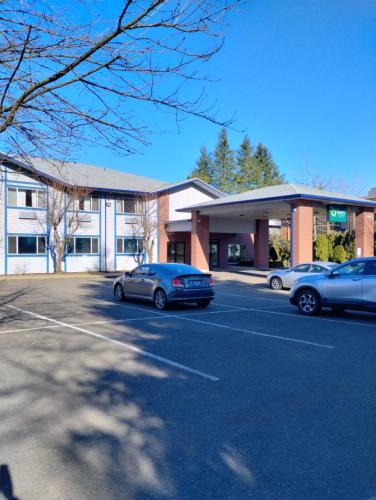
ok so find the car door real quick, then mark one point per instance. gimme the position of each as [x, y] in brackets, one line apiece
[145, 285]
[369, 285]
[344, 285]
[295, 273]
[139, 280]
[130, 282]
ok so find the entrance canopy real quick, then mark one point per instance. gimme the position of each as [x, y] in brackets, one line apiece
[275, 202]
[295, 203]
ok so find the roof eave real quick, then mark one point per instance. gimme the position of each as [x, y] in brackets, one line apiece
[288, 198]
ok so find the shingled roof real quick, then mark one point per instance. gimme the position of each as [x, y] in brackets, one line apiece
[282, 192]
[99, 178]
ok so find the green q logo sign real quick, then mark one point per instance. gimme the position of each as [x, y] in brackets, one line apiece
[338, 214]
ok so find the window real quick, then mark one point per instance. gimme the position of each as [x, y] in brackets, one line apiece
[83, 245]
[129, 206]
[236, 252]
[87, 204]
[31, 198]
[315, 268]
[141, 271]
[304, 268]
[370, 268]
[21, 245]
[130, 246]
[353, 269]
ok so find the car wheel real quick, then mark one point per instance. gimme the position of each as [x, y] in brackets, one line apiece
[309, 302]
[276, 283]
[203, 303]
[160, 299]
[119, 292]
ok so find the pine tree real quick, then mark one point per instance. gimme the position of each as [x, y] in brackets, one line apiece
[204, 167]
[248, 174]
[224, 174]
[269, 172]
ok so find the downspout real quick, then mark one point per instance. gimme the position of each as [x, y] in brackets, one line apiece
[292, 210]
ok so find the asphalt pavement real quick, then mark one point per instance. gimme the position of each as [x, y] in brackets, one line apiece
[247, 399]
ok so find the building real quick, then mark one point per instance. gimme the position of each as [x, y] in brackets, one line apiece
[103, 214]
[372, 194]
[105, 238]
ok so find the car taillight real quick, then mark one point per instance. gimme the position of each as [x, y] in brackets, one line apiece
[211, 281]
[177, 283]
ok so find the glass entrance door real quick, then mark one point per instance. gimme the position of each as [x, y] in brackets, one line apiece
[176, 252]
[213, 254]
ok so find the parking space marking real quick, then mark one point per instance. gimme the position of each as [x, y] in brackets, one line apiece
[317, 318]
[130, 347]
[252, 332]
[188, 317]
[253, 297]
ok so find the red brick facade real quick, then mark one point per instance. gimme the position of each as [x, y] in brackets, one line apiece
[302, 234]
[364, 229]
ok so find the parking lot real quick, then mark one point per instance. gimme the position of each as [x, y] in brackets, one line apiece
[247, 399]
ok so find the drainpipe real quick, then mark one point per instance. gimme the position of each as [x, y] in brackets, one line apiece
[292, 210]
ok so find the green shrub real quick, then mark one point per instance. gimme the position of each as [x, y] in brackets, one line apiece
[339, 254]
[279, 250]
[321, 247]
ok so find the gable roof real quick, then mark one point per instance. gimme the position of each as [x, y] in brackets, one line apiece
[101, 178]
[283, 192]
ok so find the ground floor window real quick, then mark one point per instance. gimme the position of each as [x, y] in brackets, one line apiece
[236, 253]
[21, 245]
[83, 245]
[176, 252]
[129, 246]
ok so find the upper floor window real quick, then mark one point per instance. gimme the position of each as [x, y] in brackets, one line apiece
[21, 197]
[87, 204]
[129, 206]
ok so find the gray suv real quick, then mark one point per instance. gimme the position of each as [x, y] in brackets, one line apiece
[349, 286]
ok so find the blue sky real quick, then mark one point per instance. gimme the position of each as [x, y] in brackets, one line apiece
[301, 78]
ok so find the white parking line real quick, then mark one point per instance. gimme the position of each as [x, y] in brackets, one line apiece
[122, 344]
[188, 317]
[252, 297]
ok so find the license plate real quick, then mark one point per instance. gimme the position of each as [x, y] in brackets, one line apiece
[196, 283]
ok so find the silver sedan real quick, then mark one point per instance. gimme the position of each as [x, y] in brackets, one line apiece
[166, 283]
[285, 278]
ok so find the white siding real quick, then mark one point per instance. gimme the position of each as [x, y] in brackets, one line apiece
[184, 198]
[25, 265]
[82, 263]
[18, 177]
[20, 225]
[127, 262]
[2, 223]
[109, 230]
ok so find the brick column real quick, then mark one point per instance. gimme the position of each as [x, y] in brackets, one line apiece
[364, 230]
[200, 241]
[261, 250]
[302, 234]
[164, 213]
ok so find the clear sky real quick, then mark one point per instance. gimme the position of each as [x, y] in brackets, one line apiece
[301, 78]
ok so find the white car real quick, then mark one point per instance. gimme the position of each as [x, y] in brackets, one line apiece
[285, 278]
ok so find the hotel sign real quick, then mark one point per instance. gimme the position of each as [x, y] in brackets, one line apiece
[337, 213]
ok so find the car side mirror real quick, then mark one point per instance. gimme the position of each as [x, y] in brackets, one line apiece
[127, 274]
[151, 274]
[333, 274]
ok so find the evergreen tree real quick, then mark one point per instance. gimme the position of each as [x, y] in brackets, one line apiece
[269, 172]
[204, 167]
[224, 175]
[248, 174]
